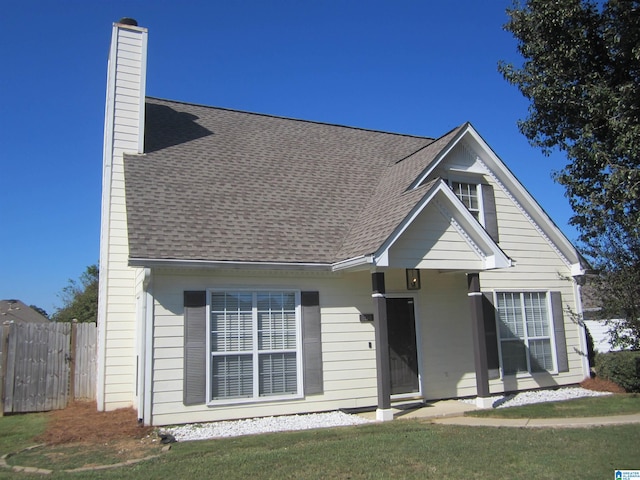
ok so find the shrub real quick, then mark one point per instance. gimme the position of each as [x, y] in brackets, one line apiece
[622, 368]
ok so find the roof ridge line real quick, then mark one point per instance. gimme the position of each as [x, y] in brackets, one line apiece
[281, 117]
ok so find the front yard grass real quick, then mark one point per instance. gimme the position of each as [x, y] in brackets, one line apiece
[405, 449]
[616, 404]
[17, 431]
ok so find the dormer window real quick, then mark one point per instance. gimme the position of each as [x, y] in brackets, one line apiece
[480, 201]
[468, 195]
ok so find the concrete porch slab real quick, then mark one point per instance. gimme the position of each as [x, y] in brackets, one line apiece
[437, 409]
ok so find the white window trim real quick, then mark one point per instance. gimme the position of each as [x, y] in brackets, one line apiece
[471, 181]
[552, 339]
[299, 368]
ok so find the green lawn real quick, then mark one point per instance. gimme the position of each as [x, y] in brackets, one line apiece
[400, 449]
[618, 404]
[17, 431]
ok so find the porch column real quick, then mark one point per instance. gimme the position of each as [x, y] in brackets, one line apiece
[479, 340]
[384, 411]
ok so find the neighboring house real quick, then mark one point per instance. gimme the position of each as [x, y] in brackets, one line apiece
[599, 331]
[254, 265]
[597, 326]
[16, 311]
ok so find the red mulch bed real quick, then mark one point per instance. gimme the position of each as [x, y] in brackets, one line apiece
[601, 385]
[81, 422]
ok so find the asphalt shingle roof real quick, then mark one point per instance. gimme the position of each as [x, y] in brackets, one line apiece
[224, 185]
[17, 311]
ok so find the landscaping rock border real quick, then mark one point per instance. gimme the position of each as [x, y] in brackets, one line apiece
[45, 471]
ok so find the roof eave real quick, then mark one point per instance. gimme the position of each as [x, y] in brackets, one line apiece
[227, 264]
[355, 263]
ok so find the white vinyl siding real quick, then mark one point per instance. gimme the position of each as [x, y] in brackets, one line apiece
[254, 345]
[525, 332]
[538, 267]
[432, 242]
[348, 345]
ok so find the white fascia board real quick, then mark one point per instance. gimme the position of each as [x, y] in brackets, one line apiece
[577, 269]
[474, 233]
[497, 261]
[539, 218]
[436, 161]
[381, 259]
[363, 261]
[151, 263]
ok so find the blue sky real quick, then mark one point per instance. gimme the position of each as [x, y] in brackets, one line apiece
[417, 67]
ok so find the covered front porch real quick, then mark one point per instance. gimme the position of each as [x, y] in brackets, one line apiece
[430, 327]
[430, 339]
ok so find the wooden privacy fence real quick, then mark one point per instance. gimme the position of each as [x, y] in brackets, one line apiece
[43, 366]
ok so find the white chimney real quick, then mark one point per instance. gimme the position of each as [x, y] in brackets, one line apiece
[123, 134]
[126, 80]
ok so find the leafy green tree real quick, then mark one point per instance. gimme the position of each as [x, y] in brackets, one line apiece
[80, 298]
[581, 73]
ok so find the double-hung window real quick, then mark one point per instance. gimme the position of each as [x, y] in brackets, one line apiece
[254, 345]
[479, 198]
[524, 321]
[468, 193]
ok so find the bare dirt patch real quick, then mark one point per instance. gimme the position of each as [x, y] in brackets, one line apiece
[601, 385]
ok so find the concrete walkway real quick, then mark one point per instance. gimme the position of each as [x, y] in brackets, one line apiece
[576, 422]
[451, 412]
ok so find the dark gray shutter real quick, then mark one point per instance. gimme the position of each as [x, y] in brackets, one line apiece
[195, 347]
[311, 343]
[489, 209]
[490, 331]
[558, 331]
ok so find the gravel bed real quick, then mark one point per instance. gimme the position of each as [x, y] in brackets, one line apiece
[202, 431]
[539, 396]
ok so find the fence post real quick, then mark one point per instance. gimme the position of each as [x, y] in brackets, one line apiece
[72, 361]
[4, 338]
